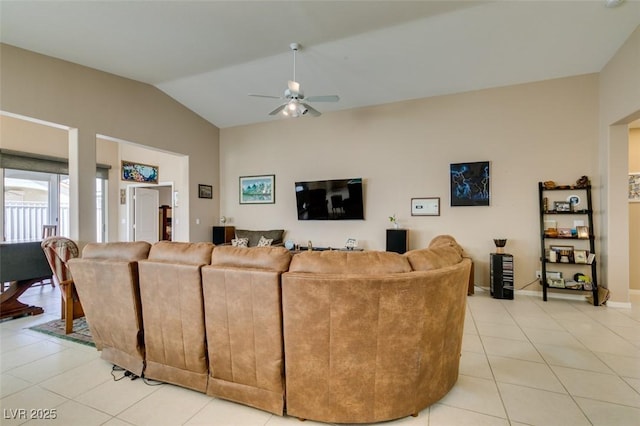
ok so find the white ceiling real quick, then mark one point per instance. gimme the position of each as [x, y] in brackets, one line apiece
[209, 55]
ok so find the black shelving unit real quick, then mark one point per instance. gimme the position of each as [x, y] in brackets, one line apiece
[547, 240]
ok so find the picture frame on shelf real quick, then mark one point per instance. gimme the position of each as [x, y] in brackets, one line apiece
[555, 282]
[580, 256]
[429, 206]
[582, 232]
[562, 206]
[205, 191]
[564, 253]
[351, 244]
[257, 189]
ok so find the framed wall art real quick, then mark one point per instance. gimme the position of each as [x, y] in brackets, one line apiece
[425, 206]
[137, 172]
[470, 184]
[205, 191]
[258, 189]
[634, 187]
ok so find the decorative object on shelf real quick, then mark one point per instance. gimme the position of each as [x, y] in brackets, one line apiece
[545, 204]
[583, 182]
[564, 233]
[205, 191]
[289, 245]
[634, 187]
[425, 206]
[500, 243]
[470, 184]
[562, 206]
[223, 220]
[556, 282]
[394, 221]
[574, 201]
[549, 184]
[257, 189]
[137, 172]
[351, 244]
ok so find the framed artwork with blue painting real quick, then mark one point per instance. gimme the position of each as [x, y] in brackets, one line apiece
[470, 184]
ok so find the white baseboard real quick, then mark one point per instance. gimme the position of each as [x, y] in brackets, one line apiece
[568, 296]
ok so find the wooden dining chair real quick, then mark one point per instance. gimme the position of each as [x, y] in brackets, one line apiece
[58, 250]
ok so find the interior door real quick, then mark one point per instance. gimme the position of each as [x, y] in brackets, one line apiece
[145, 211]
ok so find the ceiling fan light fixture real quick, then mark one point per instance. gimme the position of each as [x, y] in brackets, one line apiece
[294, 109]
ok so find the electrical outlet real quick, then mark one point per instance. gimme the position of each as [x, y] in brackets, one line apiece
[538, 274]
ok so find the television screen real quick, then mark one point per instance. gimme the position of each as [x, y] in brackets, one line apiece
[330, 199]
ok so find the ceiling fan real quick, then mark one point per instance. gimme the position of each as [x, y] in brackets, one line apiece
[296, 103]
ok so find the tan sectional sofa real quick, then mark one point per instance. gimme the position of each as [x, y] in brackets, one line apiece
[341, 337]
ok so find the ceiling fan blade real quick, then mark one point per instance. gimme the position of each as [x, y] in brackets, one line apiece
[326, 98]
[277, 110]
[312, 111]
[265, 96]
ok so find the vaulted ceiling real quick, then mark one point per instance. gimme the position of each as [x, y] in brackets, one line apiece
[209, 55]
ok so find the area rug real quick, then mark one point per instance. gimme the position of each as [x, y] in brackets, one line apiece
[80, 333]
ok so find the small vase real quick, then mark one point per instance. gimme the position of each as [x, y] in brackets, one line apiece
[396, 225]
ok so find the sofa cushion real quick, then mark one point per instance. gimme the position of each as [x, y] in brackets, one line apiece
[347, 262]
[269, 258]
[433, 258]
[254, 236]
[179, 252]
[240, 242]
[446, 241]
[265, 242]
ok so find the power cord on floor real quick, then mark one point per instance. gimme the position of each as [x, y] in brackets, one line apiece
[130, 375]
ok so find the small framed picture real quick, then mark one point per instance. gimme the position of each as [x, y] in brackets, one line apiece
[555, 282]
[562, 206]
[580, 256]
[583, 232]
[205, 191]
[564, 254]
[425, 206]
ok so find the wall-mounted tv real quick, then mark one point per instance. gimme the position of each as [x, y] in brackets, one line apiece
[336, 199]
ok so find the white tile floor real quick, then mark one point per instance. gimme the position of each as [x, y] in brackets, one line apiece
[524, 362]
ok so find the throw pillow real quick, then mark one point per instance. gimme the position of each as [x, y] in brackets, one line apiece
[265, 242]
[240, 242]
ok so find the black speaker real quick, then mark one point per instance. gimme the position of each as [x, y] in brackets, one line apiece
[223, 234]
[397, 240]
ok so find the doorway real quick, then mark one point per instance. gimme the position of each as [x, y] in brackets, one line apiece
[147, 204]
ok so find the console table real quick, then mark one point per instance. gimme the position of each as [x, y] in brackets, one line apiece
[22, 264]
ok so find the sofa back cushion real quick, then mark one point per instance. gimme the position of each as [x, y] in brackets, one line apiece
[267, 258]
[171, 294]
[254, 236]
[106, 279]
[184, 253]
[349, 262]
[125, 251]
[433, 258]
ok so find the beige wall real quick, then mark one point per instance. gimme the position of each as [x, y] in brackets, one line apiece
[619, 90]
[634, 213]
[530, 133]
[95, 103]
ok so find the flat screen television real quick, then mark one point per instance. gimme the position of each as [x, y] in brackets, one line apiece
[337, 199]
